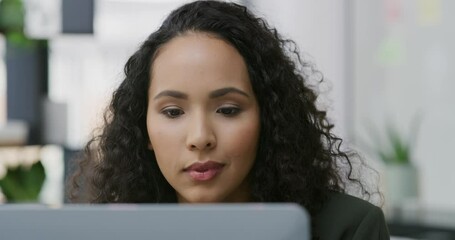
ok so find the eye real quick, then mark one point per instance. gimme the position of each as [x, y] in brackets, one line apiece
[228, 111]
[172, 112]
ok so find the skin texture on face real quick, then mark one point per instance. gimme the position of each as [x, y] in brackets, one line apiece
[202, 109]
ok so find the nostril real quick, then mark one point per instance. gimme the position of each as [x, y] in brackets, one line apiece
[201, 146]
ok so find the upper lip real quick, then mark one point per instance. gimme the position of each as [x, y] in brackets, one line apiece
[204, 166]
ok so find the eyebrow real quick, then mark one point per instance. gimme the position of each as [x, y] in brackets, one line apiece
[171, 93]
[214, 94]
[223, 91]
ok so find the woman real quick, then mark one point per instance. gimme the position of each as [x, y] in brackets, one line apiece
[216, 107]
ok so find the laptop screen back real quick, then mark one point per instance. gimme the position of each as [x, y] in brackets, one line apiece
[155, 221]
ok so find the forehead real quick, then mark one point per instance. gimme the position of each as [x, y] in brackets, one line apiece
[196, 45]
[198, 58]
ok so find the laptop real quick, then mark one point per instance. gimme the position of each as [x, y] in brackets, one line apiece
[155, 221]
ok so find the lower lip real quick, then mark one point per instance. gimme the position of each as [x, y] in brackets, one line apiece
[205, 176]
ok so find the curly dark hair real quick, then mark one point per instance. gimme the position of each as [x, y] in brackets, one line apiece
[298, 159]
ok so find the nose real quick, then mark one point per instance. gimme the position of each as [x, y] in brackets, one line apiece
[201, 135]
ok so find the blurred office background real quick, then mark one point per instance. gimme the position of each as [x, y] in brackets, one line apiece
[386, 65]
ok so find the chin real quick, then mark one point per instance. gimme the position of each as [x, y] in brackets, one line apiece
[202, 200]
[201, 197]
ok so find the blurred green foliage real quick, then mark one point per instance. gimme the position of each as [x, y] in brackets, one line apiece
[11, 16]
[399, 150]
[23, 184]
[394, 147]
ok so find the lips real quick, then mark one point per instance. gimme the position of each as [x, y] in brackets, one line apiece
[204, 171]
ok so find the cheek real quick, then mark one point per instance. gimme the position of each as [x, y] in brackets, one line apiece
[242, 139]
[165, 150]
[164, 139]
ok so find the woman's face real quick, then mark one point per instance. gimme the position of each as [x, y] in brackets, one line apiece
[203, 119]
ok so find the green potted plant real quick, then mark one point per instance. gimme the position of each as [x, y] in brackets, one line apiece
[22, 173]
[399, 149]
[23, 183]
[396, 151]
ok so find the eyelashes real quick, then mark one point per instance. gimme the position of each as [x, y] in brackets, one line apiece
[172, 112]
[176, 112]
[228, 111]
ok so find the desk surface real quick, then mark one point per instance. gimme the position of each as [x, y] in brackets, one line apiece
[423, 224]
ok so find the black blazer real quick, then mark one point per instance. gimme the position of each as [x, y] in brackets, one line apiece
[348, 217]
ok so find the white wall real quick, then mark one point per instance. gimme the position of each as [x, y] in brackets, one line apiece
[403, 50]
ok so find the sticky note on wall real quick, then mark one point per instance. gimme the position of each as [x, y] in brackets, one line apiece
[392, 51]
[393, 11]
[429, 12]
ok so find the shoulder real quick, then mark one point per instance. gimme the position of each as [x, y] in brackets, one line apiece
[346, 217]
